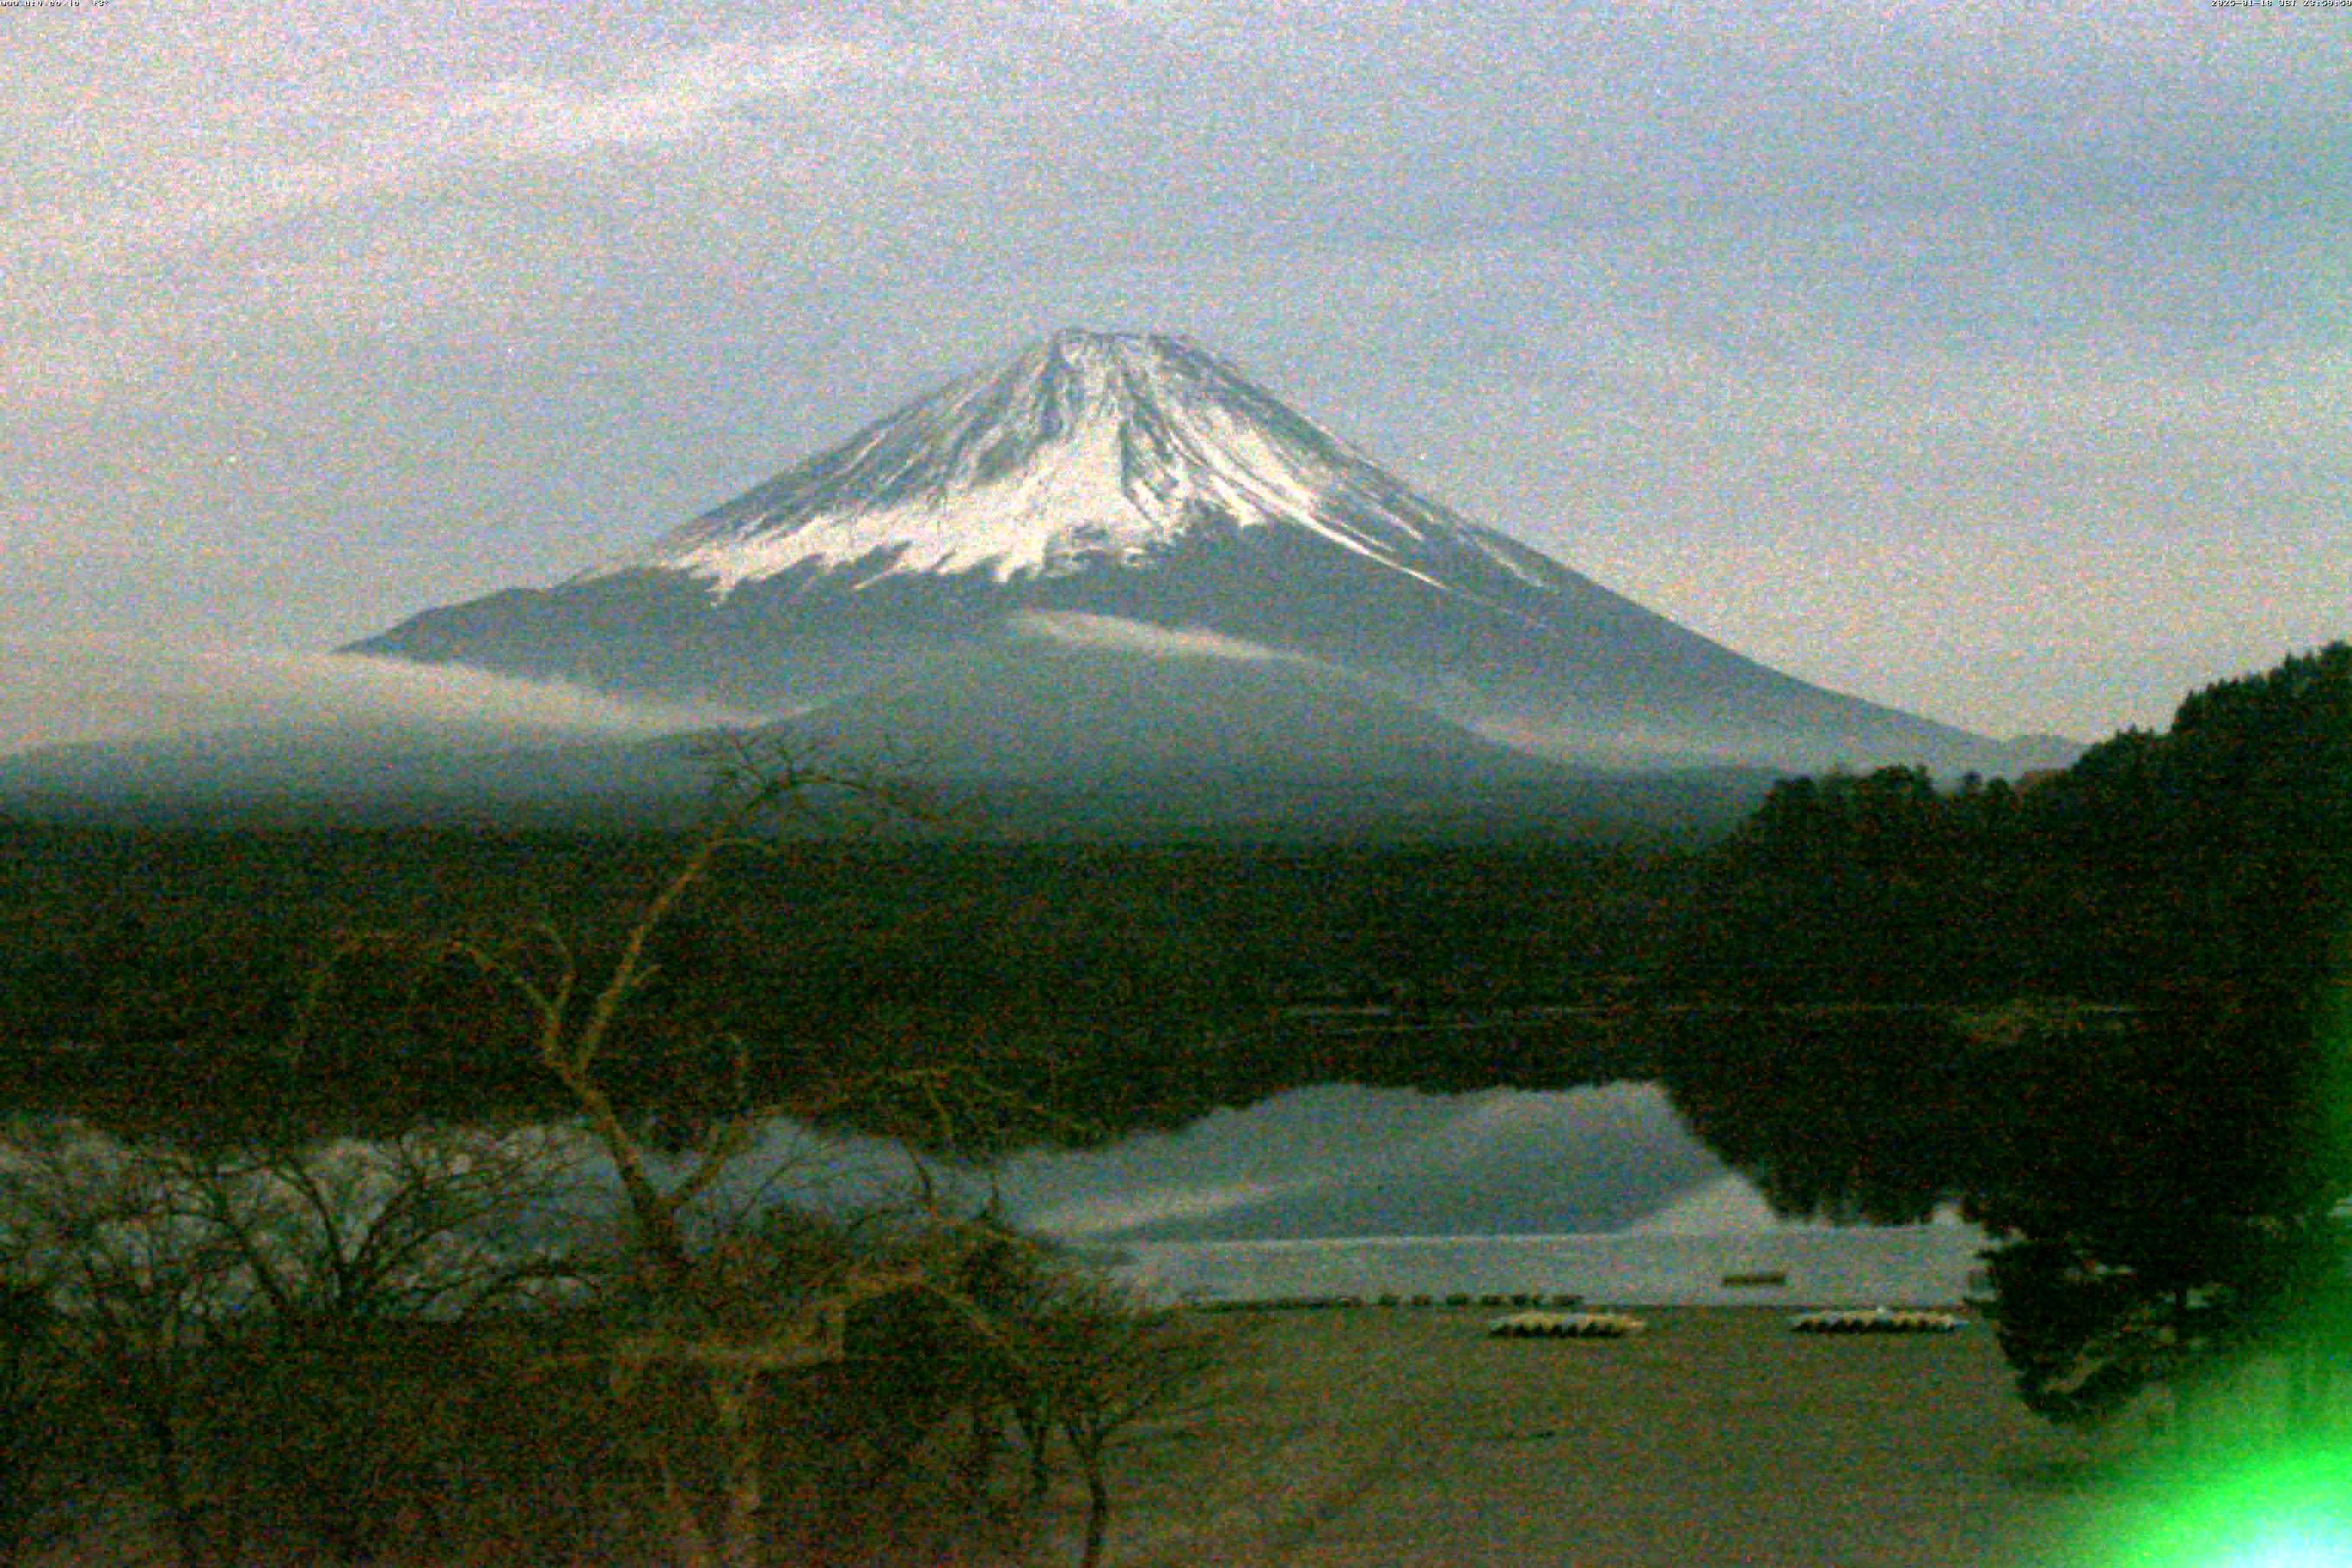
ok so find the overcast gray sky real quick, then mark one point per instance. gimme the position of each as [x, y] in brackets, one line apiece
[1990, 360]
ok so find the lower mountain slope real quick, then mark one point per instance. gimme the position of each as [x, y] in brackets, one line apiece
[1020, 736]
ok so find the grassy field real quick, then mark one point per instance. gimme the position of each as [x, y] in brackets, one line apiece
[1364, 1438]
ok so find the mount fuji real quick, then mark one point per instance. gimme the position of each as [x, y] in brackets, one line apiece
[1115, 555]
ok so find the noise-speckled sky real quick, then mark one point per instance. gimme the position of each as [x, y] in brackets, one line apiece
[1988, 359]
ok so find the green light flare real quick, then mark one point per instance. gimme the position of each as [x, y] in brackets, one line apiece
[2289, 1507]
[2294, 1548]
[2289, 1511]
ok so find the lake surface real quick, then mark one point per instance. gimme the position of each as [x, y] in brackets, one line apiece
[1823, 1265]
[1344, 1191]
[1336, 1189]
[1341, 1160]
[1340, 1189]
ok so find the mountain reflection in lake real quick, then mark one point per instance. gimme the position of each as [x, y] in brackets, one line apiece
[1337, 1160]
[1339, 1189]
[1333, 1161]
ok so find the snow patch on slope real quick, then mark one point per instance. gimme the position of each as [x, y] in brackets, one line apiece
[1066, 502]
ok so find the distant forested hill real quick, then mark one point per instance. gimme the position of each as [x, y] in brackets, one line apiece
[1143, 982]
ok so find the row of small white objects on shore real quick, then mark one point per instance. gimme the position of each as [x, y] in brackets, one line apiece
[1875, 1320]
[1617, 1325]
[1566, 1326]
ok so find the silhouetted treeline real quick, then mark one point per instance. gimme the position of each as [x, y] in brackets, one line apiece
[2200, 879]
[1882, 1114]
[2217, 855]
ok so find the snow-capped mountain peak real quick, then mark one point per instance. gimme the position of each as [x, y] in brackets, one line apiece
[1112, 481]
[1091, 449]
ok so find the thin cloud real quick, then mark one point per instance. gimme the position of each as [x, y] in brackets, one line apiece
[1071, 628]
[1727, 1206]
[1113, 1212]
[1730, 1204]
[236, 163]
[61, 693]
[669, 98]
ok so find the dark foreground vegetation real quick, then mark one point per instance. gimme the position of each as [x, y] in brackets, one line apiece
[266, 1340]
[1132, 983]
[354, 1354]
[2103, 1011]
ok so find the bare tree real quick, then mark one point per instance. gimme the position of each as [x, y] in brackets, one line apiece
[717, 1309]
[140, 1297]
[1099, 1365]
[339, 1235]
[358, 1260]
[221, 1300]
[244, 1308]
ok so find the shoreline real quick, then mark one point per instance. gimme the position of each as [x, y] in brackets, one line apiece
[1793, 1268]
